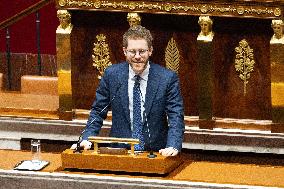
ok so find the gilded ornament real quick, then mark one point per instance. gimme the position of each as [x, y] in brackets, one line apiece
[206, 34]
[101, 56]
[277, 12]
[240, 10]
[132, 5]
[97, 4]
[114, 5]
[204, 9]
[178, 6]
[186, 8]
[278, 28]
[168, 7]
[65, 25]
[244, 62]
[62, 3]
[134, 19]
[172, 57]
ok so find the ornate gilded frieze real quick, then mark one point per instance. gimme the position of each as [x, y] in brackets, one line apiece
[244, 62]
[185, 7]
[172, 57]
[101, 56]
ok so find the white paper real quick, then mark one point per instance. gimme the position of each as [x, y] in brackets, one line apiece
[31, 165]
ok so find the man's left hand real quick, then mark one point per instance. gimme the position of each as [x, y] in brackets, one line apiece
[170, 151]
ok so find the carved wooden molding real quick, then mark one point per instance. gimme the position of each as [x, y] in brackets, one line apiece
[260, 9]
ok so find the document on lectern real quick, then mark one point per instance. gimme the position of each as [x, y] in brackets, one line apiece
[31, 165]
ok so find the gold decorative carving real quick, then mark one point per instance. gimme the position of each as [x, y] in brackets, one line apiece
[133, 19]
[172, 56]
[62, 3]
[206, 34]
[278, 28]
[240, 10]
[168, 7]
[244, 62]
[132, 5]
[101, 54]
[277, 12]
[176, 7]
[204, 9]
[65, 25]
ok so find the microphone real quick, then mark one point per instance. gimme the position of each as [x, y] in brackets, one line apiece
[151, 153]
[78, 148]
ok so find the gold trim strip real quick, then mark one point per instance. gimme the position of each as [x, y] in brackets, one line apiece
[176, 7]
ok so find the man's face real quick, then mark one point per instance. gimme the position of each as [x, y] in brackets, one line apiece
[137, 54]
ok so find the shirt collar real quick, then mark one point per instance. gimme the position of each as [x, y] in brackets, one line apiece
[143, 75]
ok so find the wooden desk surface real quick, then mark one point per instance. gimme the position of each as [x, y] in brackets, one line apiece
[192, 170]
[12, 157]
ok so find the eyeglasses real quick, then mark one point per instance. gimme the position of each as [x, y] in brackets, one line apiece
[141, 52]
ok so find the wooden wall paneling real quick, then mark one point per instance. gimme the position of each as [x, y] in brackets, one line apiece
[163, 27]
[229, 100]
[184, 29]
[86, 26]
[26, 64]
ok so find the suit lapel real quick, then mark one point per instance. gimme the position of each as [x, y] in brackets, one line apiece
[152, 87]
[124, 91]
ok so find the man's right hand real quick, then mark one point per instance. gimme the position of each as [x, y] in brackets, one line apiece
[84, 144]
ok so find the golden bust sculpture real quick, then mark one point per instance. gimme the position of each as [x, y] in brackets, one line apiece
[278, 36]
[65, 25]
[133, 19]
[206, 33]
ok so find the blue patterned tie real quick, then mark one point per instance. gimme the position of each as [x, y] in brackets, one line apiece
[137, 119]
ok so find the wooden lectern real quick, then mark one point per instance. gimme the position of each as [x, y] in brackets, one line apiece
[130, 162]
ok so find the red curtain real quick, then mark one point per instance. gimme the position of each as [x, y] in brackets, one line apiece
[23, 32]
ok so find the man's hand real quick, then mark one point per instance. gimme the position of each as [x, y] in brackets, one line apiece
[85, 144]
[170, 151]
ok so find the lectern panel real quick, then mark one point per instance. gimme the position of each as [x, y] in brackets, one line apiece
[88, 159]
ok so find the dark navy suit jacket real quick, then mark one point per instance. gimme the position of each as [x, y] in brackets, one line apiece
[163, 107]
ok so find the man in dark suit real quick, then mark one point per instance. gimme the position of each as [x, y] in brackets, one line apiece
[161, 125]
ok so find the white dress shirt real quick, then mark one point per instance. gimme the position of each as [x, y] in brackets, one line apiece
[143, 87]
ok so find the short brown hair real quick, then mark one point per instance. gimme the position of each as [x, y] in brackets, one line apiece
[137, 32]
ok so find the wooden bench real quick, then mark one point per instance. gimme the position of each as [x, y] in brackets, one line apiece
[45, 85]
[38, 98]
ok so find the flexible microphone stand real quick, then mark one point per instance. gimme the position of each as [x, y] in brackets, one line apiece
[78, 147]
